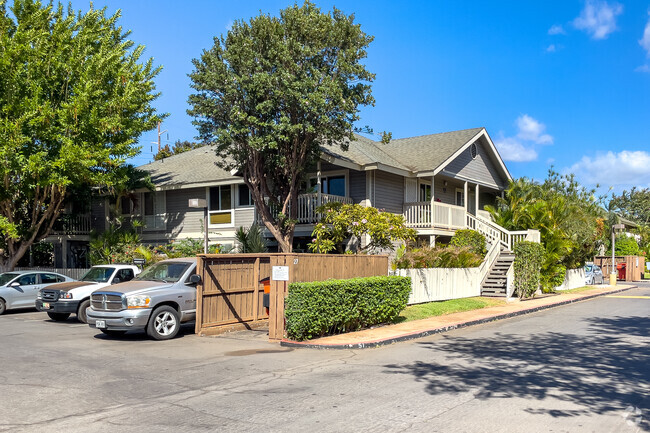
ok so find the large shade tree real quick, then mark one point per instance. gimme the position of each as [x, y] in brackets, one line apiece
[271, 92]
[74, 98]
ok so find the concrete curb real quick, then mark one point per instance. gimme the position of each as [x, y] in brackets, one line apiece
[420, 334]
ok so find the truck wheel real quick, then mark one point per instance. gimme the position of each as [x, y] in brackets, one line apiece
[3, 306]
[81, 311]
[163, 323]
[113, 332]
[58, 317]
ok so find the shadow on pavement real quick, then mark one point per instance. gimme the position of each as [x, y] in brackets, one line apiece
[603, 371]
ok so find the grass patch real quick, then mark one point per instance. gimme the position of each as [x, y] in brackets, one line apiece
[433, 309]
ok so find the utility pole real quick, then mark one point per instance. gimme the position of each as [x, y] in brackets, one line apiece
[159, 134]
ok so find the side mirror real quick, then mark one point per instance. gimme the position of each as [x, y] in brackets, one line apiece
[195, 279]
[116, 280]
[14, 284]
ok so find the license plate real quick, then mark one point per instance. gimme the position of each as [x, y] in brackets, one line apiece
[46, 305]
[100, 323]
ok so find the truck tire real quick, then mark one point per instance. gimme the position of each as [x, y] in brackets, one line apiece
[113, 332]
[3, 306]
[164, 323]
[58, 317]
[81, 311]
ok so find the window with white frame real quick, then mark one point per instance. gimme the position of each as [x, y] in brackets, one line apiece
[153, 210]
[425, 192]
[220, 206]
[460, 197]
[245, 199]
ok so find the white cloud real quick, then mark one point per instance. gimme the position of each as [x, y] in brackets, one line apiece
[598, 18]
[551, 48]
[556, 30]
[620, 170]
[522, 147]
[532, 130]
[643, 68]
[645, 40]
[229, 25]
[512, 149]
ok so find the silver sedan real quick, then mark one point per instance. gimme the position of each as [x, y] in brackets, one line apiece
[18, 289]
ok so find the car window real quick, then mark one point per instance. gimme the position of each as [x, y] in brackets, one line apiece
[27, 280]
[6, 278]
[98, 275]
[49, 278]
[125, 274]
[60, 278]
[169, 272]
[588, 268]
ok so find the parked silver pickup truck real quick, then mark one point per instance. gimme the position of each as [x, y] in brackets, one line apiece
[157, 301]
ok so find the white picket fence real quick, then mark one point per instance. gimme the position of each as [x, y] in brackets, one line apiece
[72, 273]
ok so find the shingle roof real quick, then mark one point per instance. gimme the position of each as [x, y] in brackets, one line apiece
[413, 154]
[194, 166]
[427, 152]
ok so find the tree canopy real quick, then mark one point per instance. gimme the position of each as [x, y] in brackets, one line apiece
[74, 98]
[179, 147]
[271, 92]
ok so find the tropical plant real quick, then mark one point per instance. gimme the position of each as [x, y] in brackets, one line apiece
[341, 222]
[271, 92]
[437, 257]
[471, 239]
[527, 266]
[251, 240]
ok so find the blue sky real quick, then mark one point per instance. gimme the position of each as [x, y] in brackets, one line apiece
[563, 83]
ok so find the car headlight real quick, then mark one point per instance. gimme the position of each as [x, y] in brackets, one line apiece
[138, 301]
[39, 295]
[65, 295]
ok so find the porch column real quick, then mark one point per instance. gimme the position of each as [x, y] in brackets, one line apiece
[432, 241]
[476, 200]
[432, 206]
[465, 196]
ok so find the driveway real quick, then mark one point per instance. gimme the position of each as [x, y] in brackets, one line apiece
[582, 367]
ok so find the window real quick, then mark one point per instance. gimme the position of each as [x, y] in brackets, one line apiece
[473, 151]
[125, 205]
[50, 278]
[334, 185]
[154, 210]
[27, 280]
[220, 205]
[245, 198]
[425, 192]
[125, 275]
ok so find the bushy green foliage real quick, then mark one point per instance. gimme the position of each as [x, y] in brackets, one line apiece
[438, 257]
[353, 221]
[528, 263]
[330, 307]
[626, 246]
[471, 239]
[179, 147]
[251, 240]
[76, 95]
[272, 91]
[115, 245]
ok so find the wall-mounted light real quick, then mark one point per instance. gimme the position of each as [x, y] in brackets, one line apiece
[444, 183]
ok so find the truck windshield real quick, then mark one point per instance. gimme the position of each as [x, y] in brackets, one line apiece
[98, 275]
[6, 277]
[169, 272]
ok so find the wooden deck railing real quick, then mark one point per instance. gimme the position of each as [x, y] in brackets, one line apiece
[72, 225]
[307, 204]
[447, 216]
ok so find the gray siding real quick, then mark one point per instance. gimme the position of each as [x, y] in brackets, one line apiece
[180, 217]
[357, 188]
[244, 217]
[447, 194]
[389, 192]
[481, 169]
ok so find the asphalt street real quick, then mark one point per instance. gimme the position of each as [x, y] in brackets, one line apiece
[581, 367]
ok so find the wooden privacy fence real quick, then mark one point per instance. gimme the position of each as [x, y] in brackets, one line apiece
[231, 289]
[634, 266]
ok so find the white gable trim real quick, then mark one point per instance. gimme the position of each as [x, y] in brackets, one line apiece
[456, 154]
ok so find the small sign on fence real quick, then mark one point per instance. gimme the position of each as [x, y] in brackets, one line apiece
[280, 273]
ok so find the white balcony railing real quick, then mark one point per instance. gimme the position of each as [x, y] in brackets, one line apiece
[307, 204]
[445, 216]
[72, 225]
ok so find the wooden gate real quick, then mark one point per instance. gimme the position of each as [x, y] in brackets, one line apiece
[231, 289]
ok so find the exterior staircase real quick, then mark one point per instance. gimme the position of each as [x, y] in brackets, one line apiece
[495, 283]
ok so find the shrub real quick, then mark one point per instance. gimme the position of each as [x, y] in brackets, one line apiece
[527, 266]
[437, 257]
[626, 246]
[469, 238]
[336, 306]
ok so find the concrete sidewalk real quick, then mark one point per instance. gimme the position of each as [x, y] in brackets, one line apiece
[389, 334]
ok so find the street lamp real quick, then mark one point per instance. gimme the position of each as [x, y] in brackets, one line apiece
[202, 203]
[612, 275]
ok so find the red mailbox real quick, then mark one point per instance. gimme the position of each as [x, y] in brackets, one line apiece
[621, 271]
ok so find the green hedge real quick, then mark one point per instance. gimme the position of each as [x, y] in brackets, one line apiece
[469, 238]
[336, 306]
[527, 266]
